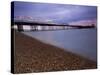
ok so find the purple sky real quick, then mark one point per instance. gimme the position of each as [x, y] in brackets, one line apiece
[55, 13]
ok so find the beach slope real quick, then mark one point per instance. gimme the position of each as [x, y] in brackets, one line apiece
[32, 55]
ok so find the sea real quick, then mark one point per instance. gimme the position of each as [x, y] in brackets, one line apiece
[78, 41]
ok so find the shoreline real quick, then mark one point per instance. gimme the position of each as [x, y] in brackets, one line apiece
[32, 55]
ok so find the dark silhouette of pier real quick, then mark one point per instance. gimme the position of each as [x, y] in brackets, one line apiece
[48, 26]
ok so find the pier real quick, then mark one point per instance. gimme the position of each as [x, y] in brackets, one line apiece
[34, 26]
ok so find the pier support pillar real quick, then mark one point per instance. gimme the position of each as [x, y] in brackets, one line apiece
[33, 28]
[20, 28]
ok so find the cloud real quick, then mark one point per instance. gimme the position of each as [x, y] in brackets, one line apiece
[59, 13]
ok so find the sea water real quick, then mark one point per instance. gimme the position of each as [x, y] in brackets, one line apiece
[79, 41]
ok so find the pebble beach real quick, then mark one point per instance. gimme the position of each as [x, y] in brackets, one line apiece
[32, 55]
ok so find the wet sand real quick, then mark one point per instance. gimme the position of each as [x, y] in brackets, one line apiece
[31, 55]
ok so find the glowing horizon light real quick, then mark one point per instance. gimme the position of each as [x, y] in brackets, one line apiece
[26, 27]
[85, 22]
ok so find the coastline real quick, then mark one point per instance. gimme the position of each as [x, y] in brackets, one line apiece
[32, 55]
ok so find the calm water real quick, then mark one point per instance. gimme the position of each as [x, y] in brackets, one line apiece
[79, 41]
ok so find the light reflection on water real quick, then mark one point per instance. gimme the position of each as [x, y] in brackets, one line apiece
[79, 41]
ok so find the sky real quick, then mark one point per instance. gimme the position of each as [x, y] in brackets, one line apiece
[55, 13]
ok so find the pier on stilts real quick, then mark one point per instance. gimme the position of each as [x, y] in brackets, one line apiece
[32, 26]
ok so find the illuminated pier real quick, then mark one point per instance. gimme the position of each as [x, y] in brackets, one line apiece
[27, 26]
